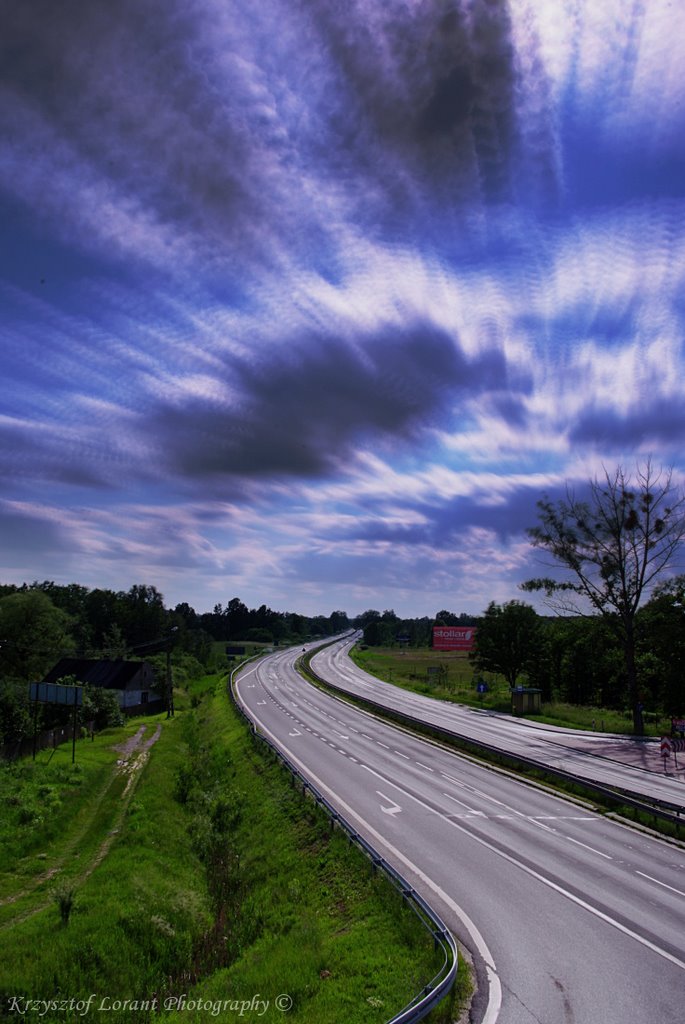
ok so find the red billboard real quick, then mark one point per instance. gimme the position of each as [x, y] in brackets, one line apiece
[454, 638]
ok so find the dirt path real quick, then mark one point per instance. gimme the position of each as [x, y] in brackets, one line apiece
[135, 755]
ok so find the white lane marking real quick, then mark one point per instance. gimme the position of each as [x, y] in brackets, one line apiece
[494, 985]
[452, 779]
[296, 733]
[393, 809]
[471, 810]
[660, 883]
[585, 846]
[382, 744]
[342, 735]
[424, 766]
[405, 756]
[539, 824]
[540, 878]
[261, 703]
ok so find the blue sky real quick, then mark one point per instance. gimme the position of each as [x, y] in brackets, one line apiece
[309, 303]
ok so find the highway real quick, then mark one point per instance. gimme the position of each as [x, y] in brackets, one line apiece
[569, 917]
[566, 749]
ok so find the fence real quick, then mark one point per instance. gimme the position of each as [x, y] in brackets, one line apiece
[44, 740]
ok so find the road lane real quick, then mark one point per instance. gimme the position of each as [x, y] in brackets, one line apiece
[552, 746]
[583, 918]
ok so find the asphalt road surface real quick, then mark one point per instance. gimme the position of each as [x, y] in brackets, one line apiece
[570, 917]
[591, 755]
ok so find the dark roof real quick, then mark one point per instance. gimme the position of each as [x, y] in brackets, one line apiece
[110, 675]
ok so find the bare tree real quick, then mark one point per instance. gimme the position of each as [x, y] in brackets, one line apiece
[615, 544]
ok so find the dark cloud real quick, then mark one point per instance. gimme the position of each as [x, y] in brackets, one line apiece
[303, 408]
[660, 421]
[131, 95]
[442, 524]
[432, 85]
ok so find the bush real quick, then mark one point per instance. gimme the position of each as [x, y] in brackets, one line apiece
[101, 707]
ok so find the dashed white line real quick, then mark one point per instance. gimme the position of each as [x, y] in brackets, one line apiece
[660, 883]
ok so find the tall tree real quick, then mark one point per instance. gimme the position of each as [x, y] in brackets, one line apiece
[508, 640]
[615, 545]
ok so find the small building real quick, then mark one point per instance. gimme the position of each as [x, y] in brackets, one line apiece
[132, 681]
[525, 700]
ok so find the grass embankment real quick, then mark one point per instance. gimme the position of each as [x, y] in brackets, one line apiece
[198, 871]
[456, 681]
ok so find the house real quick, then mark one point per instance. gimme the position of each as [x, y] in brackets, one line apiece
[133, 681]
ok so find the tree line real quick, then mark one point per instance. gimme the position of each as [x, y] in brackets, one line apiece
[41, 622]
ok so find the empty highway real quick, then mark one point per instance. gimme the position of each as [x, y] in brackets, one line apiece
[558, 748]
[569, 917]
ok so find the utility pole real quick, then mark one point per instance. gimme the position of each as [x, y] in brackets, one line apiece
[170, 685]
[169, 680]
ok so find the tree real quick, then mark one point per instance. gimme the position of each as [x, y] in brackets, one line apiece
[33, 634]
[661, 645]
[615, 545]
[508, 639]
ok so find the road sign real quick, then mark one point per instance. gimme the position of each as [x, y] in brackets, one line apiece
[666, 746]
[482, 687]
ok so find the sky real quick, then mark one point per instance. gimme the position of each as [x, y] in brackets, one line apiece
[310, 302]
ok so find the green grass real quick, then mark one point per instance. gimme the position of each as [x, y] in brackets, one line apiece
[211, 877]
[315, 922]
[457, 682]
[137, 912]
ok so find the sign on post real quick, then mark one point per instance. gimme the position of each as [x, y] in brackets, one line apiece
[56, 693]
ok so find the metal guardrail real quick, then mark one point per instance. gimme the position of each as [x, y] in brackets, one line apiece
[662, 810]
[440, 986]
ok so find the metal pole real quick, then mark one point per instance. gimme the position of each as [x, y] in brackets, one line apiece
[169, 684]
[35, 727]
[73, 737]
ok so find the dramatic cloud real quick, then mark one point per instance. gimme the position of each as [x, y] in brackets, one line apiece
[312, 302]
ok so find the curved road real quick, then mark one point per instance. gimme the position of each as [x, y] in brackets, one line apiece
[569, 917]
[558, 748]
